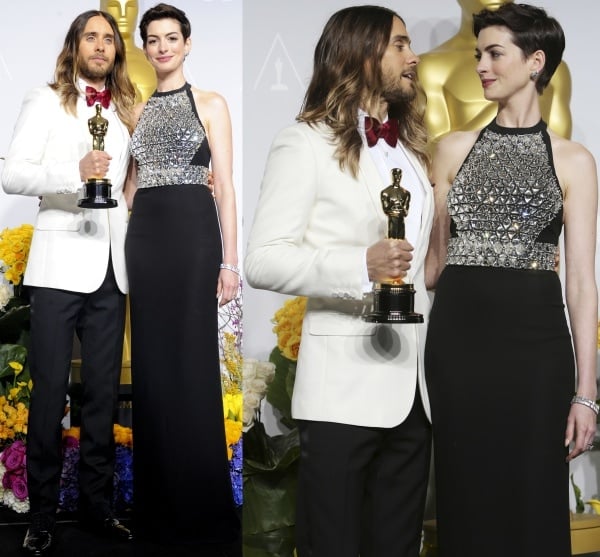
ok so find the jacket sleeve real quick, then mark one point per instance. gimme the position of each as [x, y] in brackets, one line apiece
[28, 170]
[291, 249]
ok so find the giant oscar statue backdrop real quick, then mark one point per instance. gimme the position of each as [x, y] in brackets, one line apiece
[143, 77]
[455, 98]
[140, 71]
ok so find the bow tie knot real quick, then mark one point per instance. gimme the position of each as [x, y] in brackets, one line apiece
[92, 96]
[375, 130]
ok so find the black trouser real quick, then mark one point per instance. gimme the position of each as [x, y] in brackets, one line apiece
[361, 490]
[99, 319]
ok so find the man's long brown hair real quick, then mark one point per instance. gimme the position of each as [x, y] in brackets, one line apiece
[347, 75]
[67, 70]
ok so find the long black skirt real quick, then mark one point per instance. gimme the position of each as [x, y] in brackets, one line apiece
[182, 486]
[500, 374]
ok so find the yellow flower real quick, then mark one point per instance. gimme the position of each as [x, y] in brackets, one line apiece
[233, 433]
[292, 347]
[16, 366]
[288, 326]
[232, 406]
[14, 250]
[595, 504]
[72, 432]
[123, 435]
[233, 362]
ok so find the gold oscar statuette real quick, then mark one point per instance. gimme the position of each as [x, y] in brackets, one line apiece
[393, 300]
[96, 191]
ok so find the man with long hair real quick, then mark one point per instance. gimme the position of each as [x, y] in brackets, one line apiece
[319, 231]
[76, 269]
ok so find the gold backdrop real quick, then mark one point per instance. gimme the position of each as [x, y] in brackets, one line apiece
[455, 98]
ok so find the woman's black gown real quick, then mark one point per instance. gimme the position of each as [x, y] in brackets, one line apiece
[182, 486]
[498, 357]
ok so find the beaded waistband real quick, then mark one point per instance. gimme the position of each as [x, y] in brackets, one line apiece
[151, 178]
[472, 249]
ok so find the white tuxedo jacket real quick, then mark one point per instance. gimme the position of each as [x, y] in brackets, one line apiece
[70, 246]
[309, 237]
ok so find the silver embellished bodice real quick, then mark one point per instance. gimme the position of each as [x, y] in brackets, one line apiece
[168, 140]
[505, 202]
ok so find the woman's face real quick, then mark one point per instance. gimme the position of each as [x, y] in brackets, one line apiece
[165, 46]
[502, 68]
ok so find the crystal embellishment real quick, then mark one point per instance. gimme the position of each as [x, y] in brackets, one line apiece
[165, 141]
[505, 194]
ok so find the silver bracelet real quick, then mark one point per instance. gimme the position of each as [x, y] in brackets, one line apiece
[586, 402]
[233, 268]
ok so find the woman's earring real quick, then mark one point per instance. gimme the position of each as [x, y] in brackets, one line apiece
[533, 75]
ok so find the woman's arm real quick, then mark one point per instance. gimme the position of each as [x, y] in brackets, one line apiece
[130, 186]
[449, 155]
[576, 170]
[214, 113]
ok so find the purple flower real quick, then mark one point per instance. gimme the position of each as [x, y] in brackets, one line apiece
[19, 487]
[13, 456]
[69, 441]
[235, 469]
[123, 478]
[69, 485]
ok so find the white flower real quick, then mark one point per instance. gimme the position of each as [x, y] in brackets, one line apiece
[256, 376]
[13, 503]
[2, 471]
[266, 371]
[6, 293]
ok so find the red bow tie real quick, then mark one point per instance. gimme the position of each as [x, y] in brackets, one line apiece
[92, 96]
[388, 131]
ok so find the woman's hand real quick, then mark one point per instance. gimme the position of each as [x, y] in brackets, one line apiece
[581, 430]
[227, 285]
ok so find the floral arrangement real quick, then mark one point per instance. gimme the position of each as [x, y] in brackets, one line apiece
[288, 326]
[257, 376]
[14, 396]
[14, 250]
[230, 342]
[13, 490]
[15, 392]
[271, 462]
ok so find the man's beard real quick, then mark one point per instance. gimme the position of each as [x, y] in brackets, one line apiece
[396, 94]
[92, 71]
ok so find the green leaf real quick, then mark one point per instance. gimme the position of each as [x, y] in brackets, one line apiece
[279, 394]
[13, 322]
[579, 505]
[11, 353]
[270, 472]
[276, 543]
[263, 453]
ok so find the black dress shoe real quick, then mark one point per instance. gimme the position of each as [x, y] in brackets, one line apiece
[112, 528]
[38, 539]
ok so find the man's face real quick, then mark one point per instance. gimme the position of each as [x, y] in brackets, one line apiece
[96, 53]
[398, 65]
